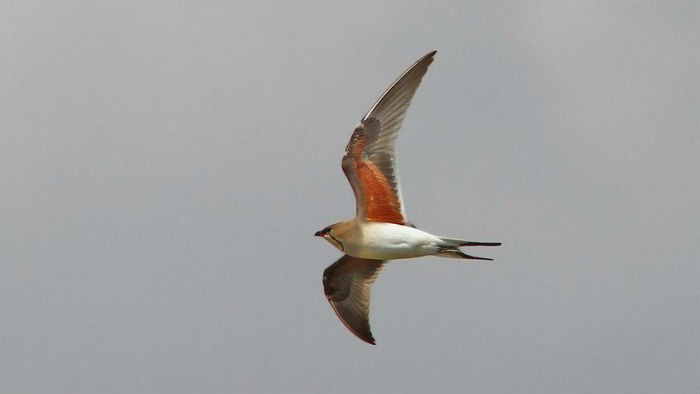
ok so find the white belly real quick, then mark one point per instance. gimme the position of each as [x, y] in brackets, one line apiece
[386, 241]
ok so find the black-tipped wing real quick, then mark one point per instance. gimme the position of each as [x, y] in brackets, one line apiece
[368, 162]
[347, 285]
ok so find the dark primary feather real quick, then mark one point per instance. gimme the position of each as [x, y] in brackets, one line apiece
[347, 285]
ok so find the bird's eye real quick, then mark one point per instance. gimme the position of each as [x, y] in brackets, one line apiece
[326, 230]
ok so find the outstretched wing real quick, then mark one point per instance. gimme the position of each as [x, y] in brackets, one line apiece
[347, 285]
[368, 162]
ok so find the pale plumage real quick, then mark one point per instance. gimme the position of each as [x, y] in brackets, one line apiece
[380, 230]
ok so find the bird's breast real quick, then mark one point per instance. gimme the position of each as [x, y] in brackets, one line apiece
[386, 241]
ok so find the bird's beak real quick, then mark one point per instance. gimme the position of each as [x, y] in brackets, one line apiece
[318, 234]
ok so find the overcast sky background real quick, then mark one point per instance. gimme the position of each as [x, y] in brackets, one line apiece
[163, 168]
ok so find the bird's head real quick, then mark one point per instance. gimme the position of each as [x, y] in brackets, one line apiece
[330, 234]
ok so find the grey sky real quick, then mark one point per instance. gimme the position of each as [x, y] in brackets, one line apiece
[164, 167]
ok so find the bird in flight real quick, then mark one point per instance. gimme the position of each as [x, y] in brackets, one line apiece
[380, 231]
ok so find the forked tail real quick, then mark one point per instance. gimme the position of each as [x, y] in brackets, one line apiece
[451, 248]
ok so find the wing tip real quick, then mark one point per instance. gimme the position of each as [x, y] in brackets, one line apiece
[427, 59]
[365, 337]
[362, 333]
[430, 55]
